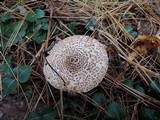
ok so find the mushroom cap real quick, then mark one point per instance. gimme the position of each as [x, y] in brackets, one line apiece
[80, 60]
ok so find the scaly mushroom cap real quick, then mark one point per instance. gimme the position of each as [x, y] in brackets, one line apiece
[80, 60]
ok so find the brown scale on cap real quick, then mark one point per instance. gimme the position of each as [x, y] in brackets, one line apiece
[79, 60]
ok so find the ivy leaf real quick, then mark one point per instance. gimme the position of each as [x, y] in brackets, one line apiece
[40, 36]
[10, 30]
[42, 20]
[116, 111]
[41, 23]
[125, 16]
[48, 114]
[128, 28]
[92, 24]
[31, 17]
[22, 73]
[134, 34]
[94, 113]
[6, 17]
[9, 85]
[2, 28]
[128, 82]
[149, 114]
[139, 88]
[23, 28]
[99, 98]
[45, 26]
[73, 27]
[28, 90]
[33, 116]
[6, 67]
[39, 13]
[22, 10]
[37, 26]
[155, 86]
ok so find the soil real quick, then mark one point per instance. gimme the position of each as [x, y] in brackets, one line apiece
[12, 109]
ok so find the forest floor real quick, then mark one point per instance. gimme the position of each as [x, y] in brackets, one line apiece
[129, 29]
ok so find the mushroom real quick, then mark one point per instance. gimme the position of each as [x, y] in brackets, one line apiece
[77, 63]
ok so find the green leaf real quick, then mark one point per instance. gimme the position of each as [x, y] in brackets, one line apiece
[149, 114]
[2, 28]
[155, 86]
[22, 10]
[99, 98]
[39, 13]
[56, 31]
[3, 44]
[37, 27]
[42, 20]
[22, 73]
[31, 17]
[6, 17]
[128, 82]
[125, 16]
[73, 27]
[48, 114]
[116, 111]
[45, 26]
[40, 37]
[10, 28]
[41, 23]
[92, 24]
[10, 31]
[23, 28]
[139, 88]
[128, 28]
[134, 34]
[28, 90]
[94, 113]
[9, 85]
[33, 116]
[6, 67]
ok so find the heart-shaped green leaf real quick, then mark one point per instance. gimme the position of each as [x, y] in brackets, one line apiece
[49, 114]
[6, 67]
[155, 86]
[149, 114]
[6, 17]
[92, 24]
[46, 114]
[31, 17]
[99, 98]
[128, 82]
[40, 36]
[139, 88]
[39, 13]
[128, 28]
[134, 34]
[73, 27]
[22, 10]
[22, 73]
[45, 26]
[116, 111]
[9, 85]
[34, 116]
[14, 31]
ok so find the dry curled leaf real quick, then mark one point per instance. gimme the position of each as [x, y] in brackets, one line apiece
[144, 45]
